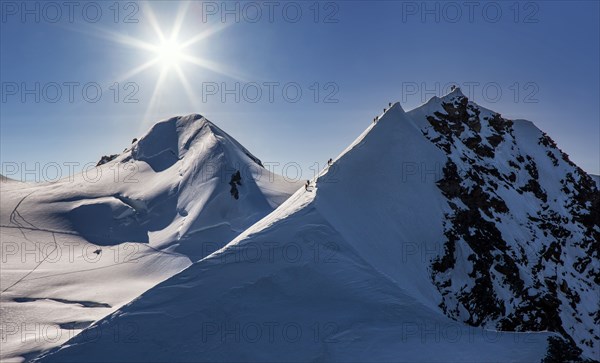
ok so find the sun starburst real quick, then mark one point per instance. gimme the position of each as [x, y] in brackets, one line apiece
[171, 53]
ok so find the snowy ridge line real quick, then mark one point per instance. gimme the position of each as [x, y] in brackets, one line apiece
[353, 144]
[268, 220]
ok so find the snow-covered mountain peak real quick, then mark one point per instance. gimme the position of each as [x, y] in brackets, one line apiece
[454, 92]
[392, 113]
[185, 176]
[435, 102]
[170, 140]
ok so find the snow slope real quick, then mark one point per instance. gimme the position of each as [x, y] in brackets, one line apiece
[596, 179]
[373, 264]
[75, 250]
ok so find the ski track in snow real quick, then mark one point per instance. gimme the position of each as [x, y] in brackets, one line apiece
[15, 213]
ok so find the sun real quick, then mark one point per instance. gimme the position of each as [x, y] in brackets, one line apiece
[169, 50]
[170, 53]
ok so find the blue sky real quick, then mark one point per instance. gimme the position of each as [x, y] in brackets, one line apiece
[533, 60]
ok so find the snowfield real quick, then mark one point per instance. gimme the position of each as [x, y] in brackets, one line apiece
[443, 234]
[76, 250]
[596, 179]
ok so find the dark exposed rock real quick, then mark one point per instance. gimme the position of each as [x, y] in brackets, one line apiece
[561, 351]
[495, 140]
[534, 271]
[106, 158]
[236, 179]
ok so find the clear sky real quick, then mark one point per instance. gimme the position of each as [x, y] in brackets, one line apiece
[245, 63]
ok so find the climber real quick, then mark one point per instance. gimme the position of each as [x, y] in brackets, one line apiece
[306, 185]
[329, 162]
[390, 104]
[384, 109]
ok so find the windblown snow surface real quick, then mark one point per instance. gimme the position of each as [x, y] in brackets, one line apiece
[76, 250]
[596, 179]
[444, 234]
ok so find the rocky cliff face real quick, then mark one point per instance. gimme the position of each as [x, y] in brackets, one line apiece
[524, 226]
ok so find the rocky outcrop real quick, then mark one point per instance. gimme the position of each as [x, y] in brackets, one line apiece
[106, 158]
[529, 270]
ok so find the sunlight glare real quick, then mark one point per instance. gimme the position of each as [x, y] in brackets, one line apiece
[170, 53]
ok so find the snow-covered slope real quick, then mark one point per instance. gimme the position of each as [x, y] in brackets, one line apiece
[596, 179]
[75, 250]
[431, 232]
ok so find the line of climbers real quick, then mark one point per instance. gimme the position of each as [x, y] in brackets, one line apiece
[330, 161]
[307, 184]
[384, 110]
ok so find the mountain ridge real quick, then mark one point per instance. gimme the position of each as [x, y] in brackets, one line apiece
[421, 216]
